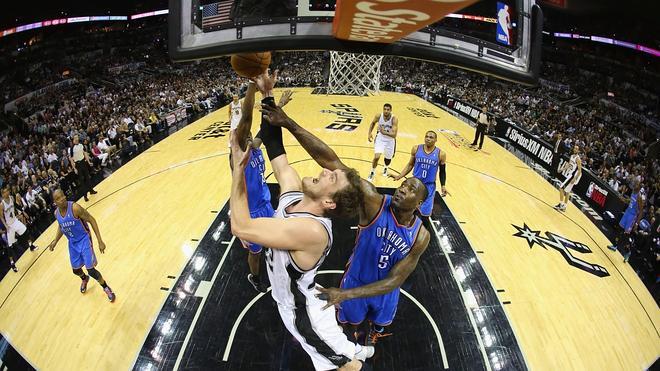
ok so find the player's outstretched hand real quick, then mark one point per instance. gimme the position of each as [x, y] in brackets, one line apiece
[51, 246]
[394, 177]
[371, 138]
[265, 82]
[102, 247]
[332, 295]
[286, 98]
[443, 192]
[275, 115]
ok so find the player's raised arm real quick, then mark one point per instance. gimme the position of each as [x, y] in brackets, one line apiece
[245, 124]
[317, 149]
[271, 136]
[325, 157]
[396, 277]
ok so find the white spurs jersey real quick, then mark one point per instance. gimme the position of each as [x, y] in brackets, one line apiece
[385, 124]
[236, 112]
[572, 166]
[291, 285]
[8, 209]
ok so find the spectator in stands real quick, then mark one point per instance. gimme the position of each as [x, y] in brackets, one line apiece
[35, 203]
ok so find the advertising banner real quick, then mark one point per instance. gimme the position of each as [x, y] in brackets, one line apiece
[386, 21]
[595, 197]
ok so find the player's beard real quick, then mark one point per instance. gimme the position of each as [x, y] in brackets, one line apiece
[309, 189]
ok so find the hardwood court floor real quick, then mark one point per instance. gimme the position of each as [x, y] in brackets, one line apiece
[153, 209]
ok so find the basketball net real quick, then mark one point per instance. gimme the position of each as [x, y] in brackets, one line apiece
[354, 74]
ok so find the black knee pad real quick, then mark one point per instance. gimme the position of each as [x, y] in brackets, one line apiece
[94, 274]
[78, 272]
[388, 161]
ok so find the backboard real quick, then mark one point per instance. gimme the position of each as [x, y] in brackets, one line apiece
[472, 38]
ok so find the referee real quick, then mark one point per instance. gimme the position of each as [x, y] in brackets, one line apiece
[81, 165]
[482, 128]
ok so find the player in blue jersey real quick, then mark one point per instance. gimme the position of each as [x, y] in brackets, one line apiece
[630, 220]
[255, 181]
[391, 240]
[74, 223]
[425, 161]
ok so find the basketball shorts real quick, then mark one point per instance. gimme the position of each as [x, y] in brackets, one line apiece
[319, 335]
[12, 229]
[377, 309]
[263, 212]
[385, 145]
[82, 253]
[427, 207]
[233, 124]
[569, 182]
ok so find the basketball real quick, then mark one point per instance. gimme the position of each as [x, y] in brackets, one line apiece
[250, 64]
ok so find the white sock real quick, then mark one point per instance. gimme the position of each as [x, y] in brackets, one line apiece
[385, 168]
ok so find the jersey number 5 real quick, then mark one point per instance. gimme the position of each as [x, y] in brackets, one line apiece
[382, 264]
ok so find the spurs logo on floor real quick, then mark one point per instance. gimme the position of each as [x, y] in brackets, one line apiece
[422, 112]
[564, 246]
[348, 117]
[215, 130]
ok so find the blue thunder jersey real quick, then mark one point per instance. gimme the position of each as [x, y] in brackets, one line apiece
[381, 245]
[258, 194]
[426, 164]
[73, 228]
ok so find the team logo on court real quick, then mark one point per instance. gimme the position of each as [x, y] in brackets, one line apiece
[215, 130]
[563, 246]
[348, 117]
[422, 112]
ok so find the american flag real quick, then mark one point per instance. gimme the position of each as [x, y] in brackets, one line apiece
[216, 13]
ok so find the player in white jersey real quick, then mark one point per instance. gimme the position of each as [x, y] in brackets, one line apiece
[12, 224]
[572, 170]
[298, 239]
[385, 142]
[235, 112]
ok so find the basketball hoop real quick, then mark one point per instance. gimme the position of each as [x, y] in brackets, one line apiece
[354, 74]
